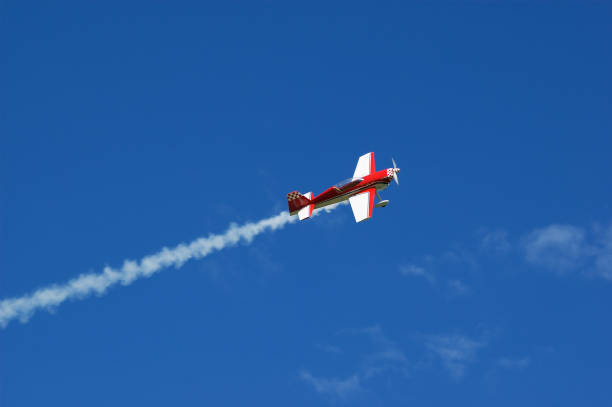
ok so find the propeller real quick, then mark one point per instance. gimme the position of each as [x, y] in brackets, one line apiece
[395, 171]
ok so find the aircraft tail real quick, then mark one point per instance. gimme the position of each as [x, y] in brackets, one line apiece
[300, 204]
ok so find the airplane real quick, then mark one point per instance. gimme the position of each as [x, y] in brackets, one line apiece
[359, 190]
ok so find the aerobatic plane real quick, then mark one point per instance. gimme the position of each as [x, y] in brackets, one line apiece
[359, 190]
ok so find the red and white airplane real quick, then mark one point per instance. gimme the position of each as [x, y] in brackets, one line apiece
[359, 190]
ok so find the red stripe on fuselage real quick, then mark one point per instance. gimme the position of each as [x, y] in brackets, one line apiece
[369, 181]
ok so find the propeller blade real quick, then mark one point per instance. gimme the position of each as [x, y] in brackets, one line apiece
[395, 172]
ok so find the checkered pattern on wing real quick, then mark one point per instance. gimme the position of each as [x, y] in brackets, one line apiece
[293, 195]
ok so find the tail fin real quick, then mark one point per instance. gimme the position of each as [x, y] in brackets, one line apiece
[300, 204]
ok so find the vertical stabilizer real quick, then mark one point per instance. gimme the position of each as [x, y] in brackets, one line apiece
[297, 201]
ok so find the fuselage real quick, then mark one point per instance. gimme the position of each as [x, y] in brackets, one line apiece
[379, 180]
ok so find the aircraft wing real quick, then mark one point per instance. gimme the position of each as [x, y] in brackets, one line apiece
[362, 204]
[365, 166]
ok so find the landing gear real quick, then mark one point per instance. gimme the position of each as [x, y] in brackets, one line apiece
[382, 202]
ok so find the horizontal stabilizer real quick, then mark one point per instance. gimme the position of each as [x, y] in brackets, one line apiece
[306, 212]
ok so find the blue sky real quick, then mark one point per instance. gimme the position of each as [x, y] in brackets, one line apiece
[129, 127]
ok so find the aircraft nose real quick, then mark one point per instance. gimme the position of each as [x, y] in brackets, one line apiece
[397, 170]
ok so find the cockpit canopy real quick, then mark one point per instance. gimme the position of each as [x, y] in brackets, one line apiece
[347, 183]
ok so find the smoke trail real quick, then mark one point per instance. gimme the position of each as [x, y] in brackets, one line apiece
[24, 307]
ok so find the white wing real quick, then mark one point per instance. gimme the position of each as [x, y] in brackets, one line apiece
[362, 204]
[365, 166]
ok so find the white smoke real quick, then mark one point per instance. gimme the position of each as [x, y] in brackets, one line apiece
[48, 298]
